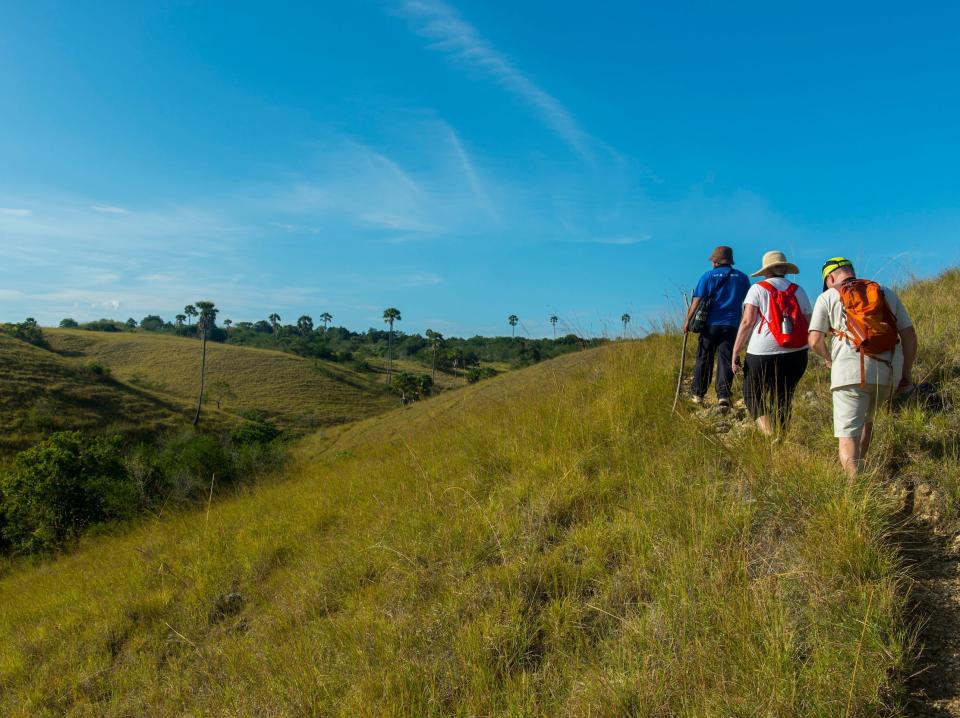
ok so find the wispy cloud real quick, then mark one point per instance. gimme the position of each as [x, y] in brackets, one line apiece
[15, 211]
[622, 241]
[109, 209]
[458, 39]
[346, 182]
[419, 279]
[468, 169]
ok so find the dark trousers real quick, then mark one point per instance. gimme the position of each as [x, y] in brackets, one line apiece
[769, 382]
[715, 345]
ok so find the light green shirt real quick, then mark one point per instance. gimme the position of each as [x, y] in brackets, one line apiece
[828, 314]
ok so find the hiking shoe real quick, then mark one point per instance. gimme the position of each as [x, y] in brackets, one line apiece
[724, 403]
[694, 399]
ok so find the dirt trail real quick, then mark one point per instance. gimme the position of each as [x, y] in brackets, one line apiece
[933, 553]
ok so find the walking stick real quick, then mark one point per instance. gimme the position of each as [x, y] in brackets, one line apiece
[683, 359]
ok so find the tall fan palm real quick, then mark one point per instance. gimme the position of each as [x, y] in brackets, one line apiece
[326, 318]
[181, 318]
[626, 320]
[228, 323]
[274, 321]
[305, 325]
[390, 315]
[190, 311]
[553, 320]
[459, 361]
[512, 321]
[205, 323]
[436, 341]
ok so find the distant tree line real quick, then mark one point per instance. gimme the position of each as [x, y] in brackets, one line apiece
[319, 340]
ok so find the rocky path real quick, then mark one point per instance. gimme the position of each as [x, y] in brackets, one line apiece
[931, 550]
[934, 555]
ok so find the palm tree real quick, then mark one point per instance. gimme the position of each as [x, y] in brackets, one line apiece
[206, 322]
[626, 320]
[512, 321]
[228, 323]
[326, 318]
[436, 341]
[459, 361]
[390, 315]
[304, 325]
[181, 318]
[190, 311]
[553, 320]
[274, 321]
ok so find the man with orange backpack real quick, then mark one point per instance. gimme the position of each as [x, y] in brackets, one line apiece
[871, 356]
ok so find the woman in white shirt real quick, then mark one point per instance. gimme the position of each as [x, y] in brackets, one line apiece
[776, 314]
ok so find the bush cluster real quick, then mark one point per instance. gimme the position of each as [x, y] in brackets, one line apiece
[28, 330]
[73, 482]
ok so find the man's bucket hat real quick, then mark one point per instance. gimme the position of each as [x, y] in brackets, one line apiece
[774, 260]
[722, 255]
[832, 264]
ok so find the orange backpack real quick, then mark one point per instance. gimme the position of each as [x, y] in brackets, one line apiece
[871, 326]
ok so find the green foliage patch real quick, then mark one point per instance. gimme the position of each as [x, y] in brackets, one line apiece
[62, 486]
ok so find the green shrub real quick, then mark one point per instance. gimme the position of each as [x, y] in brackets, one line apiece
[28, 331]
[257, 429]
[104, 325]
[189, 461]
[42, 416]
[61, 486]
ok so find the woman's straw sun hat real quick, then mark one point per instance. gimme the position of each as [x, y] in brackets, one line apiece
[776, 260]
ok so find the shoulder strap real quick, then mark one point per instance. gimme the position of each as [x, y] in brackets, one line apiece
[716, 289]
[772, 290]
[792, 289]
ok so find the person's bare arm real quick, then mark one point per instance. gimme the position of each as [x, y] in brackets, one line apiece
[908, 340]
[746, 326]
[818, 343]
[690, 311]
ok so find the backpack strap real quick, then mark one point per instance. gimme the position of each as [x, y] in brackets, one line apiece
[770, 289]
[716, 289]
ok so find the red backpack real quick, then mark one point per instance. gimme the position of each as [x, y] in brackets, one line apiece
[787, 323]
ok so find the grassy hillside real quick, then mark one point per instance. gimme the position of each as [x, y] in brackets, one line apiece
[296, 392]
[41, 392]
[552, 542]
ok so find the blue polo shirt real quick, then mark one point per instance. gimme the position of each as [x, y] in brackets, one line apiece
[728, 302]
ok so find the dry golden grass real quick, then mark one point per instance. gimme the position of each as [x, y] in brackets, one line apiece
[42, 392]
[296, 392]
[553, 542]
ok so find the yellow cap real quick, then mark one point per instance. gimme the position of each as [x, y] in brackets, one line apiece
[832, 264]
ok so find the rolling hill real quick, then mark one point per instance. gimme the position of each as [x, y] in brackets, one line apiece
[297, 393]
[41, 391]
[553, 542]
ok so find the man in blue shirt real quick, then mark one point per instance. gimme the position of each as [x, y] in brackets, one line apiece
[727, 288]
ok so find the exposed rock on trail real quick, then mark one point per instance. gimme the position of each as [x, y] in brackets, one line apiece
[933, 552]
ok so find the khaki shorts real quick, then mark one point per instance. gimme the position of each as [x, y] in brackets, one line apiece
[854, 406]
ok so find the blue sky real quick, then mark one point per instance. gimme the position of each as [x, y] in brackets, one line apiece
[462, 160]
